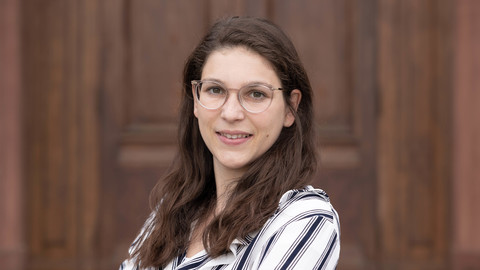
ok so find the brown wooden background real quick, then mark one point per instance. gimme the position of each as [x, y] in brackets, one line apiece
[88, 101]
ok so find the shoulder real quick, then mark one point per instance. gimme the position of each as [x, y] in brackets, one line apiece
[301, 203]
[303, 233]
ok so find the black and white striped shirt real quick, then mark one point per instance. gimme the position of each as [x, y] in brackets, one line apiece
[303, 233]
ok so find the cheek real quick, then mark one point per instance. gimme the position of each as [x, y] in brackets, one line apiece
[272, 130]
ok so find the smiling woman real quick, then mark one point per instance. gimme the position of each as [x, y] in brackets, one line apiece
[237, 196]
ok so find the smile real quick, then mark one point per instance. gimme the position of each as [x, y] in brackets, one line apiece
[235, 136]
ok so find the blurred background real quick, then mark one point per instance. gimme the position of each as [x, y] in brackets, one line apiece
[89, 91]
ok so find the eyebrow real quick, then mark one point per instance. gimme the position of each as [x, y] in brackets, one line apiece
[243, 84]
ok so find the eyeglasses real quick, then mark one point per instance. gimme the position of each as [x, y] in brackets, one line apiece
[254, 98]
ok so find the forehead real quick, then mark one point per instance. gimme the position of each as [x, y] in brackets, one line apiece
[237, 66]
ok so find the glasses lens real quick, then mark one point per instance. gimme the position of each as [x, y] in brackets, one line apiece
[211, 95]
[255, 98]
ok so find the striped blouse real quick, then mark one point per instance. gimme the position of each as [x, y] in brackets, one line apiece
[303, 233]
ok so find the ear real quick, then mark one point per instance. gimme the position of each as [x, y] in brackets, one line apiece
[195, 109]
[295, 97]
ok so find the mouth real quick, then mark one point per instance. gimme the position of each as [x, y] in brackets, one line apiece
[234, 136]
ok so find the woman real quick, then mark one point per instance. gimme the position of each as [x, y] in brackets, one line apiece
[236, 195]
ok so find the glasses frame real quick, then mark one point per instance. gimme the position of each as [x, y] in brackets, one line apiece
[197, 83]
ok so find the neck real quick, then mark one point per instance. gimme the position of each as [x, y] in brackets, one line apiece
[225, 182]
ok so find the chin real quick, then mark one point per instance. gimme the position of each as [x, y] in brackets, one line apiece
[235, 165]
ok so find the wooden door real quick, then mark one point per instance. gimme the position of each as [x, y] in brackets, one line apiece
[102, 86]
[148, 42]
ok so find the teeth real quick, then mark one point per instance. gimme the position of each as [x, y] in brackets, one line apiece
[236, 136]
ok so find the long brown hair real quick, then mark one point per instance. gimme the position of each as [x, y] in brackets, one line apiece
[188, 191]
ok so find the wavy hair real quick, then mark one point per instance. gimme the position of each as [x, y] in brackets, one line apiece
[188, 192]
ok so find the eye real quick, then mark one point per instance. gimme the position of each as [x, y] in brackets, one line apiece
[256, 93]
[213, 90]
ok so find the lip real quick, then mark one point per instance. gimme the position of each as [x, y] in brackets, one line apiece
[234, 137]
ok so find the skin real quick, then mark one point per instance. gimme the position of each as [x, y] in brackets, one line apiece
[236, 67]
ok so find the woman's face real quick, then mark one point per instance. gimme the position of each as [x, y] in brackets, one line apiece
[234, 136]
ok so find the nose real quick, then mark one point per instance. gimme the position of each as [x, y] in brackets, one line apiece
[232, 110]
